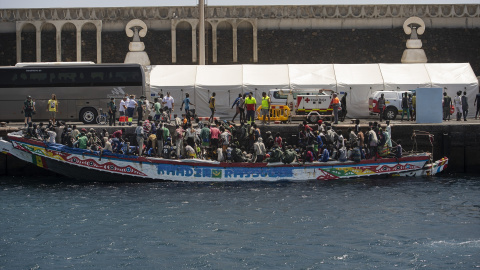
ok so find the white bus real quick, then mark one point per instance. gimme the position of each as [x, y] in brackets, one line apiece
[81, 89]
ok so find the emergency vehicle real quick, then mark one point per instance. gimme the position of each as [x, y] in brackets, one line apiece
[310, 104]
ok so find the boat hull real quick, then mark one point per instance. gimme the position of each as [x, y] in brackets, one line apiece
[90, 166]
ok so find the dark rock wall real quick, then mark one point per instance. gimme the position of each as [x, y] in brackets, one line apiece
[274, 46]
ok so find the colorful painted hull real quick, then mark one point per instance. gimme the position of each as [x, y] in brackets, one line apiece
[89, 165]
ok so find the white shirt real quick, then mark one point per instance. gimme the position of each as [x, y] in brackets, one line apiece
[122, 103]
[51, 136]
[169, 101]
[131, 103]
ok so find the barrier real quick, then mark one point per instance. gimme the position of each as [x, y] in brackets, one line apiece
[206, 118]
[277, 113]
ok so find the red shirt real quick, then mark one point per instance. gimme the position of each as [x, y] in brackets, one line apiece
[278, 141]
[214, 133]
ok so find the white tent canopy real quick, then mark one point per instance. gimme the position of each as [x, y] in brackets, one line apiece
[398, 78]
[455, 77]
[311, 76]
[262, 78]
[220, 79]
[357, 80]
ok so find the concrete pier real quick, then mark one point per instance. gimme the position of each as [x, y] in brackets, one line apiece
[459, 141]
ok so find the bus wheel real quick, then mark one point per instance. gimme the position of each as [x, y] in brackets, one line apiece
[88, 115]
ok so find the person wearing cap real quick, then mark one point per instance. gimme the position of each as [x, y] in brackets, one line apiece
[131, 105]
[28, 109]
[112, 109]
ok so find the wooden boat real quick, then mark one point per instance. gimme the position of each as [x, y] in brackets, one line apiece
[90, 166]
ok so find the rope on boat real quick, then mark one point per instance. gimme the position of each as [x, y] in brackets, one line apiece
[415, 145]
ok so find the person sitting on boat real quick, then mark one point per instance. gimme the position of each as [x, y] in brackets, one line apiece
[82, 140]
[342, 154]
[151, 144]
[51, 135]
[190, 152]
[330, 136]
[398, 149]
[40, 131]
[219, 153]
[289, 156]
[276, 155]
[309, 156]
[325, 155]
[237, 155]
[108, 146]
[259, 150]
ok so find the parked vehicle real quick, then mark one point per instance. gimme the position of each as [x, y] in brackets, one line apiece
[309, 104]
[81, 88]
[393, 103]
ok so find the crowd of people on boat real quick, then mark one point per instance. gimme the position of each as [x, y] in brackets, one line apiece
[226, 142]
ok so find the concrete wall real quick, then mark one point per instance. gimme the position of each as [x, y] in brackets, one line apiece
[274, 46]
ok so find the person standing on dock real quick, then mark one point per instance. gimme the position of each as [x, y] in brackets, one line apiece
[458, 105]
[112, 109]
[239, 102]
[53, 108]
[131, 105]
[447, 104]
[336, 105]
[405, 107]
[187, 103]
[29, 109]
[211, 105]
[123, 109]
[381, 106]
[343, 103]
[265, 107]
[251, 105]
[465, 105]
[477, 102]
[169, 103]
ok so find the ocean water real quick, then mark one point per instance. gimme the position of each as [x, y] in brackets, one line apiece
[396, 223]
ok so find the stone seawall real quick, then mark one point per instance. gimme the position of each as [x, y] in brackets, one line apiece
[459, 142]
[304, 46]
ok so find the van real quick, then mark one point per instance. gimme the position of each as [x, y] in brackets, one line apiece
[393, 103]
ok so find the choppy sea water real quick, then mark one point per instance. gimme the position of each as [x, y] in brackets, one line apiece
[402, 223]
